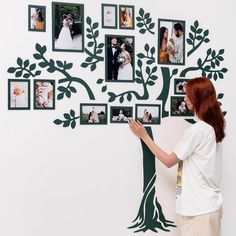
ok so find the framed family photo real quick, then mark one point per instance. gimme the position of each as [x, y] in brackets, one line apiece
[109, 16]
[119, 58]
[44, 94]
[126, 17]
[67, 27]
[93, 114]
[36, 18]
[179, 86]
[148, 113]
[18, 94]
[120, 114]
[171, 42]
[178, 107]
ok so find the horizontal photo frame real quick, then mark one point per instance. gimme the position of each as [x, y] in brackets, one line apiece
[148, 113]
[109, 16]
[179, 85]
[119, 58]
[67, 27]
[44, 94]
[120, 114]
[37, 18]
[178, 107]
[93, 114]
[171, 42]
[18, 94]
[126, 17]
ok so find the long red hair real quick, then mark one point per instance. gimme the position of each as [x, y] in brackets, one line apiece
[201, 93]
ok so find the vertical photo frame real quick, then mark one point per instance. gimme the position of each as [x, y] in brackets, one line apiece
[18, 94]
[67, 27]
[171, 42]
[126, 17]
[109, 16]
[36, 18]
[44, 94]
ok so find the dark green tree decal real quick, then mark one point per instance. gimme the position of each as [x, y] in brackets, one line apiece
[145, 22]
[96, 48]
[150, 215]
[69, 120]
[145, 77]
[197, 37]
[24, 68]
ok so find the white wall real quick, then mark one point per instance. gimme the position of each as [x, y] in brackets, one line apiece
[88, 181]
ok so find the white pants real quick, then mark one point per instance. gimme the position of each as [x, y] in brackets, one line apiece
[202, 225]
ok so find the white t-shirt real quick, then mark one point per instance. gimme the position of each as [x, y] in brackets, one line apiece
[198, 190]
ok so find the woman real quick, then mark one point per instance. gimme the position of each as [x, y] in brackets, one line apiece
[199, 199]
[164, 56]
[64, 40]
[125, 71]
[126, 18]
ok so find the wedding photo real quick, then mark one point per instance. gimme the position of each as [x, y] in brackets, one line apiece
[44, 94]
[179, 107]
[119, 58]
[67, 27]
[18, 94]
[126, 16]
[148, 114]
[179, 85]
[171, 42]
[109, 16]
[36, 18]
[93, 114]
[120, 114]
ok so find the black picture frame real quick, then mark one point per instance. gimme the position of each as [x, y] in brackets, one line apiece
[37, 24]
[178, 107]
[109, 16]
[128, 24]
[120, 114]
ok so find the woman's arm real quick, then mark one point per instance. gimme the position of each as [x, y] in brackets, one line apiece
[138, 129]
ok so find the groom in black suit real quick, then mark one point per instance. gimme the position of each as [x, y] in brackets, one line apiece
[112, 65]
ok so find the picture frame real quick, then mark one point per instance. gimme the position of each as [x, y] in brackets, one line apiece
[120, 60]
[37, 18]
[44, 94]
[179, 84]
[171, 42]
[93, 114]
[109, 16]
[126, 17]
[67, 27]
[178, 107]
[148, 113]
[18, 94]
[120, 114]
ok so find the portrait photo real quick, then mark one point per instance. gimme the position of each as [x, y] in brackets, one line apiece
[36, 18]
[178, 107]
[44, 94]
[171, 42]
[120, 114]
[93, 114]
[109, 16]
[126, 17]
[119, 58]
[179, 86]
[67, 27]
[18, 94]
[148, 114]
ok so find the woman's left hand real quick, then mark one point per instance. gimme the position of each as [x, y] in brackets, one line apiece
[137, 128]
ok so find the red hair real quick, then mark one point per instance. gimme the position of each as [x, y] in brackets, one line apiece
[201, 93]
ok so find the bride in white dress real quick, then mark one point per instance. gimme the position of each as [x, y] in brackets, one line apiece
[125, 71]
[64, 40]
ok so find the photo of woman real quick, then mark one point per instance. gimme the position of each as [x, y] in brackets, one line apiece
[126, 17]
[37, 18]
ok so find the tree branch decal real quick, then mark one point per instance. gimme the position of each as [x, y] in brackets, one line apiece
[197, 37]
[69, 120]
[93, 55]
[145, 22]
[209, 65]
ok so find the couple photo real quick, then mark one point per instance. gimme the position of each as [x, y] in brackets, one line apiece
[171, 42]
[68, 27]
[37, 18]
[119, 58]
